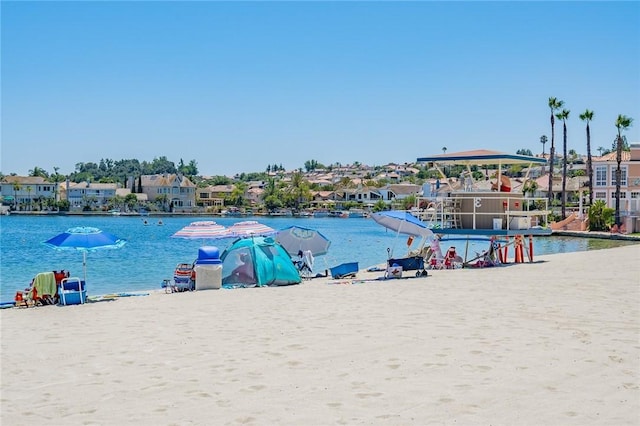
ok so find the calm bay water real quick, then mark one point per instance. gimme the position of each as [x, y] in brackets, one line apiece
[150, 254]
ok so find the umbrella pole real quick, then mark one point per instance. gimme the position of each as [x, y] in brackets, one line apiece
[84, 265]
[84, 269]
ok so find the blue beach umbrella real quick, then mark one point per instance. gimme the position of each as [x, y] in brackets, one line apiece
[85, 239]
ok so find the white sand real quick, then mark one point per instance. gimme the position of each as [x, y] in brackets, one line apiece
[556, 342]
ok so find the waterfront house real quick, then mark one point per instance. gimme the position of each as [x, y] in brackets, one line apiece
[604, 180]
[27, 192]
[173, 190]
[89, 195]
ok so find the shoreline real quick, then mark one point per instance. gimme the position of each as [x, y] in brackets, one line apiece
[577, 234]
[466, 346]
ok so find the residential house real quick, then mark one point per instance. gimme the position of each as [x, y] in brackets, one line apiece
[604, 180]
[89, 194]
[398, 192]
[27, 192]
[176, 190]
[363, 194]
[209, 197]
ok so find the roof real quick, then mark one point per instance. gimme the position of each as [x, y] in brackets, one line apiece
[481, 157]
[25, 180]
[626, 156]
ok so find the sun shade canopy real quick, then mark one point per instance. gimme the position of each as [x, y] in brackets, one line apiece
[481, 157]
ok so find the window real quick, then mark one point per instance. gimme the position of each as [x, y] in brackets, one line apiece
[623, 175]
[635, 195]
[600, 195]
[600, 176]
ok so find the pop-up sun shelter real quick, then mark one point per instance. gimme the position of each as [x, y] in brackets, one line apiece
[257, 261]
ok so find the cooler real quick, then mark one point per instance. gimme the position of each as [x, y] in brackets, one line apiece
[72, 291]
[520, 223]
[208, 268]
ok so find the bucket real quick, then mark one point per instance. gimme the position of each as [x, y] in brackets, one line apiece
[497, 223]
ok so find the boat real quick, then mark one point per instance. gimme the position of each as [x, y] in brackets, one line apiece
[321, 213]
[338, 213]
[358, 213]
[281, 212]
[115, 212]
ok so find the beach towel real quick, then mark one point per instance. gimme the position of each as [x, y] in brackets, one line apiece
[307, 258]
[45, 284]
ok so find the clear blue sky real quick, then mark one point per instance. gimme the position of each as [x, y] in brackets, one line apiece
[241, 85]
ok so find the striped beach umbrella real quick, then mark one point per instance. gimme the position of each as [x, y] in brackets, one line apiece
[251, 228]
[203, 230]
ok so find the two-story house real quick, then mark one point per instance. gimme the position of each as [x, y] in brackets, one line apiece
[89, 194]
[174, 191]
[27, 192]
[604, 180]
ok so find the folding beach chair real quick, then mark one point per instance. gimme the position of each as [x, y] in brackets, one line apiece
[183, 277]
[41, 291]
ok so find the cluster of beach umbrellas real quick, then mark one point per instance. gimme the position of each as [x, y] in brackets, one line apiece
[293, 239]
[210, 230]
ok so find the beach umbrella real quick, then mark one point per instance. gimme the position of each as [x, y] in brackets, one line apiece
[402, 222]
[297, 238]
[205, 229]
[251, 228]
[85, 239]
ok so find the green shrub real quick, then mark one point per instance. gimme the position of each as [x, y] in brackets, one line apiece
[601, 217]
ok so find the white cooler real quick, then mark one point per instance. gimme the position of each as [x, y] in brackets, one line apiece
[208, 269]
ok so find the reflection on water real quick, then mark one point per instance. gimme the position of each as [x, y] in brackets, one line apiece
[151, 255]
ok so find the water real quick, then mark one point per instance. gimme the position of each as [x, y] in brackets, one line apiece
[151, 255]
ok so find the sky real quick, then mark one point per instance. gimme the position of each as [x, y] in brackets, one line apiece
[239, 86]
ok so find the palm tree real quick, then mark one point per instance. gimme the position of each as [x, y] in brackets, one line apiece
[16, 188]
[444, 149]
[622, 123]
[554, 105]
[587, 116]
[564, 115]
[29, 189]
[600, 149]
[543, 141]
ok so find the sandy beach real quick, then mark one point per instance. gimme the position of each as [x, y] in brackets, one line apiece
[555, 342]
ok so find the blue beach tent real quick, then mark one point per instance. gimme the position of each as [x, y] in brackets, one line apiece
[257, 261]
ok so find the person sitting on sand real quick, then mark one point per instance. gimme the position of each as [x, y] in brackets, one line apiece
[243, 273]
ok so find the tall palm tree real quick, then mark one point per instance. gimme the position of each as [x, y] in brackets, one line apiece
[587, 116]
[564, 115]
[543, 141]
[554, 105]
[16, 187]
[622, 123]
